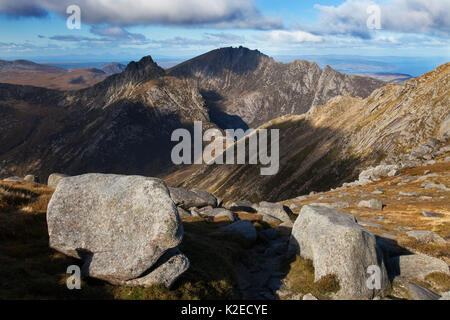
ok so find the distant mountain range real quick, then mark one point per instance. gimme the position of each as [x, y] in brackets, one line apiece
[25, 72]
[123, 124]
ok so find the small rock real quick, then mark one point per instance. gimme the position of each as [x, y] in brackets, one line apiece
[342, 195]
[195, 213]
[417, 292]
[409, 194]
[245, 206]
[334, 205]
[309, 296]
[183, 213]
[276, 210]
[54, 179]
[270, 219]
[375, 204]
[192, 199]
[430, 214]
[13, 179]
[283, 293]
[370, 224]
[31, 178]
[425, 236]
[417, 266]
[378, 192]
[426, 172]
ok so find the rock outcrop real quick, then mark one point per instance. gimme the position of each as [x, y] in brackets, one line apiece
[417, 266]
[338, 245]
[121, 226]
[188, 199]
[275, 210]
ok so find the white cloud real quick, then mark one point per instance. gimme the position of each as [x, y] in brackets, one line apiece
[219, 13]
[294, 36]
[405, 16]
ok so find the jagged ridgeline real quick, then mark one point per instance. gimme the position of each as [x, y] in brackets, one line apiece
[124, 123]
[332, 143]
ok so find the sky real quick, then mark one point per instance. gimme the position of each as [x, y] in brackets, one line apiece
[124, 30]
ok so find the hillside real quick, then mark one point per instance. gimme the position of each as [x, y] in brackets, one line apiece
[121, 125]
[333, 143]
[244, 87]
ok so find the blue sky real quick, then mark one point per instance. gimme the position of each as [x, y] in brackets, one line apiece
[120, 30]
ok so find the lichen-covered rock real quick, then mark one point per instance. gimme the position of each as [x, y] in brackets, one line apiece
[54, 179]
[195, 198]
[119, 225]
[375, 204]
[426, 236]
[30, 178]
[183, 213]
[244, 205]
[416, 266]
[218, 213]
[13, 179]
[338, 245]
[170, 267]
[276, 210]
[416, 292]
[378, 172]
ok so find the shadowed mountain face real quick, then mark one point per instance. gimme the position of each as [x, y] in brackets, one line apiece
[121, 125]
[124, 123]
[113, 68]
[332, 143]
[243, 88]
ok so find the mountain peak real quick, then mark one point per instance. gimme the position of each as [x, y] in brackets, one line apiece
[143, 70]
[146, 64]
[238, 60]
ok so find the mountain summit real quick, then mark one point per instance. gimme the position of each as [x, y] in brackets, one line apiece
[250, 86]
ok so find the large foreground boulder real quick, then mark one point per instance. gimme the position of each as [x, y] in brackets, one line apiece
[119, 225]
[188, 199]
[338, 245]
